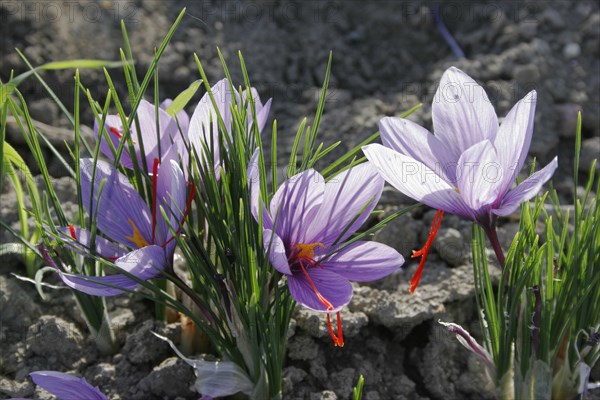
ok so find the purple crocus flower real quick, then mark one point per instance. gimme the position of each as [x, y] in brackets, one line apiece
[204, 128]
[138, 238]
[468, 167]
[304, 230]
[66, 386]
[156, 145]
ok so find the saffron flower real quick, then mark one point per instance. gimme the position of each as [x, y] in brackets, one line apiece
[138, 238]
[468, 167]
[66, 386]
[156, 145]
[304, 230]
[203, 133]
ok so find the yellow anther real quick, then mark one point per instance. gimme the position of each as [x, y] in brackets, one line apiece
[457, 190]
[307, 250]
[136, 237]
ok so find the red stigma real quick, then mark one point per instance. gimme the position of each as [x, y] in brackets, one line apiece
[115, 132]
[435, 226]
[188, 206]
[300, 257]
[72, 232]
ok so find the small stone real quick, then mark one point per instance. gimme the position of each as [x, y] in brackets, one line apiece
[567, 119]
[172, 378]
[590, 150]
[55, 339]
[401, 233]
[451, 246]
[142, 346]
[44, 110]
[18, 308]
[344, 381]
[572, 50]
[15, 389]
[553, 18]
[324, 395]
[302, 348]
[526, 74]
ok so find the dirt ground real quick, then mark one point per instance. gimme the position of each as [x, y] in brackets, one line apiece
[387, 57]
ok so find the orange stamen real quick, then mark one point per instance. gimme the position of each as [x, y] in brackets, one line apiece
[435, 226]
[72, 232]
[338, 340]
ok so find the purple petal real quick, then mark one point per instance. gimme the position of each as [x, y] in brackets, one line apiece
[462, 113]
[66, 386]
[526, 189]
[81, 243]
[354, 191]
[295, 205]
[412, 140]
[253, 175]
[479, 175]
[168, 130]
[121, 210]
[182, 117]
[514, 138]
[416, 180]
[364, 261]
[204, 126]
[171, 193]
[113, 128]
[336, 289]
[145, 263]
[276, 250]
[262, 111]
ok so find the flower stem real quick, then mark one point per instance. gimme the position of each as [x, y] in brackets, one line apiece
[492, 234]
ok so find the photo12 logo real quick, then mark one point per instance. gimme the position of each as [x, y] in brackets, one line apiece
[68, 11]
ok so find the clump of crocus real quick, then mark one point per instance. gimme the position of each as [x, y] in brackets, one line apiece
[305, 228]
[469, 166]
[136, 236]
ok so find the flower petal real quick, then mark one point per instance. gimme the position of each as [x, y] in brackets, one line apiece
[462, 113]
[412, 140]
[296, 203]
[262, 111]
[514, 138]
[114, 130]
[204, 126]
[526, 189]
[253, 175]
[479, 175]
[66, 386]
[354, 191]
[277, 254]
[120, 206]
[364, 261]
[416, 180]
[145, 263]
[182, 117]
[334, 288]
[168, 130]
[81, 243]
